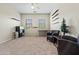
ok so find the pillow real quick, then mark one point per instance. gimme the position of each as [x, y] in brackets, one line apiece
[71, 35]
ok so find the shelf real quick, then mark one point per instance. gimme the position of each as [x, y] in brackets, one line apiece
[15, 19]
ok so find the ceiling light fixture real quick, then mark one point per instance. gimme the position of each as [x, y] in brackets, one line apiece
[33, 7]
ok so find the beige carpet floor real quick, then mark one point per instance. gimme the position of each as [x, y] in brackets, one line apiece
[28, 46]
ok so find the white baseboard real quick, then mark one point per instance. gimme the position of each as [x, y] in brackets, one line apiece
[5, 41]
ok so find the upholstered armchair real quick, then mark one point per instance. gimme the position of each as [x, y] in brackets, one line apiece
[67, 47]
[51, 34]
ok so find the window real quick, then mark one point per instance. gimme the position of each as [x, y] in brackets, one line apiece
[28, 23]
[41, 23]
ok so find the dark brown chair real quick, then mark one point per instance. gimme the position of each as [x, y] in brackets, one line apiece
[51, 34]
[67, 47]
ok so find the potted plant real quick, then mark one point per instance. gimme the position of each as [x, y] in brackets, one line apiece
[64, 27]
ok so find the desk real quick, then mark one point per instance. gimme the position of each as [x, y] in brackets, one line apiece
[43, 32]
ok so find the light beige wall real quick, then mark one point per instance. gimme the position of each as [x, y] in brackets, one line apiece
[71, 14]
[6, 23]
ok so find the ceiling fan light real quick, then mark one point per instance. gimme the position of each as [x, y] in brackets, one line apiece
[32, 7]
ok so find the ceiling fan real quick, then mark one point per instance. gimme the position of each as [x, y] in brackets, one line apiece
[34, 7]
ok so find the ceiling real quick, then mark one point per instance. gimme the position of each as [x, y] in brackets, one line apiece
[39, 7]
